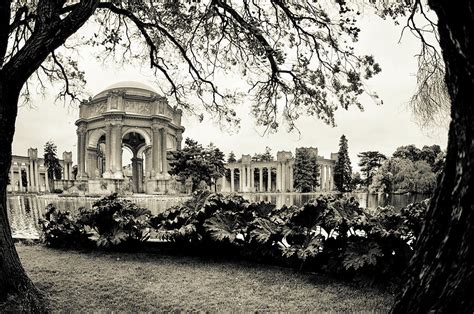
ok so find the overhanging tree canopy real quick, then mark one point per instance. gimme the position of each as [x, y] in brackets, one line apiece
[297, 57]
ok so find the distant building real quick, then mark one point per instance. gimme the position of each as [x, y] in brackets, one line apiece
[28, 173]
[273, 176]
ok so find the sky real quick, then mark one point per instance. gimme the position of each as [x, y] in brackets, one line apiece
[379, 127]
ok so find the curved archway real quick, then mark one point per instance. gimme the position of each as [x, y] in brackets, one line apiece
[94, 137]
[146, 136]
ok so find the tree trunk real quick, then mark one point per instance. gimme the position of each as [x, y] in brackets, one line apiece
[441, 273]
[14, 283]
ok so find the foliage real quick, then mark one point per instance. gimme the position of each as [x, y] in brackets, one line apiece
[61, 229]
[306, 170]
[51, 161]
[369, 163]
[328, 233]
[231, 157]
[266, 156]
[343, 168]
[197, 162]
[117, 222]
[409, 170]
[410, 152]
[356, 181]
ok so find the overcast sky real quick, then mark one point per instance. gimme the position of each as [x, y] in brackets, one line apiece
[381, 128]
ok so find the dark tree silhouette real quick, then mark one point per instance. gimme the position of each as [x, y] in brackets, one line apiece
[369, 163]
[343, 168]
[441, 276]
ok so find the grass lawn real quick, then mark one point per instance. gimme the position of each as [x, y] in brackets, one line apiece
[99, 281]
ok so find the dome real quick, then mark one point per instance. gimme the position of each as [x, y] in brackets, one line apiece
[127, 85]
[130, 84]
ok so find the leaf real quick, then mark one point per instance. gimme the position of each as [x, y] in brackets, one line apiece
[264, 230]
[221, 228]
[360, 254]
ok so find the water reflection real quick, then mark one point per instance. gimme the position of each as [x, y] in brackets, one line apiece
[24, 211]
[369, 201]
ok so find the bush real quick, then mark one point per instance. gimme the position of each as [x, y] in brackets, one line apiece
[117, 222]
[61, 229]
[328, 233]
[57, 191]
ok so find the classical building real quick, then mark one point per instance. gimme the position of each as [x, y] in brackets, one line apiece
[133, 116]
[28, 173]
[273, 176]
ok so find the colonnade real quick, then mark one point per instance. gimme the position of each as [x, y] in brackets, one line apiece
[279, 178]
[326, 177]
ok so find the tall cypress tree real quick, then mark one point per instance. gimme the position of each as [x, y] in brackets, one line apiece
[343, 168]
[306, 171]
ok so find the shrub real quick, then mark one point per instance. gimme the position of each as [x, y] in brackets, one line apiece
[61, 229]
[57, 191]
[117, 222]
[329, 233]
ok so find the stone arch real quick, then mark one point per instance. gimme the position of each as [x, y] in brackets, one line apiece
[94, 137]
[140, 131]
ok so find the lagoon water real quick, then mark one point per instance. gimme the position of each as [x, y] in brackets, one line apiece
[24, 211]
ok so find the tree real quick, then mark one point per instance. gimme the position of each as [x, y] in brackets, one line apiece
[198, 163]
[410, 152]
[357, 180]
[215, 159]
[231, 157]
[369, 163]
[440, 273]
[343, 168]
[51, 162]
[305, 170]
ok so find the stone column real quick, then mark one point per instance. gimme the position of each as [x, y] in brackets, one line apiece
[232, 189]
[37, 175]
[28, 183]
[290, 187]
[46, 180]
[164, 142]
[249, 178]
[140, 174]
[148, 162]
[92, 169]
[20, 188]
[323, 185]
[328, 179]
[252, 178]
[223, 183]
[117, 136]
[81, 145]
[241, 178]
[135, 174]
[260, 187]
[12, 181]
[179, 139]
[269, 187]
[283, 178]
[156, 152]
[278, 177]
[108, 151]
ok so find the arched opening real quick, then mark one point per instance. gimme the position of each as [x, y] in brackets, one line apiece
[133, 160]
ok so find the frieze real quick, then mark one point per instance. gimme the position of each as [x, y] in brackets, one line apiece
[97, 109]
[138, 107]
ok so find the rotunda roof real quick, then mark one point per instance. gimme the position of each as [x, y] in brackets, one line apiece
[128, 85]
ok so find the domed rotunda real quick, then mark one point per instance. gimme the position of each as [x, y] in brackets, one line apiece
[127, 115]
